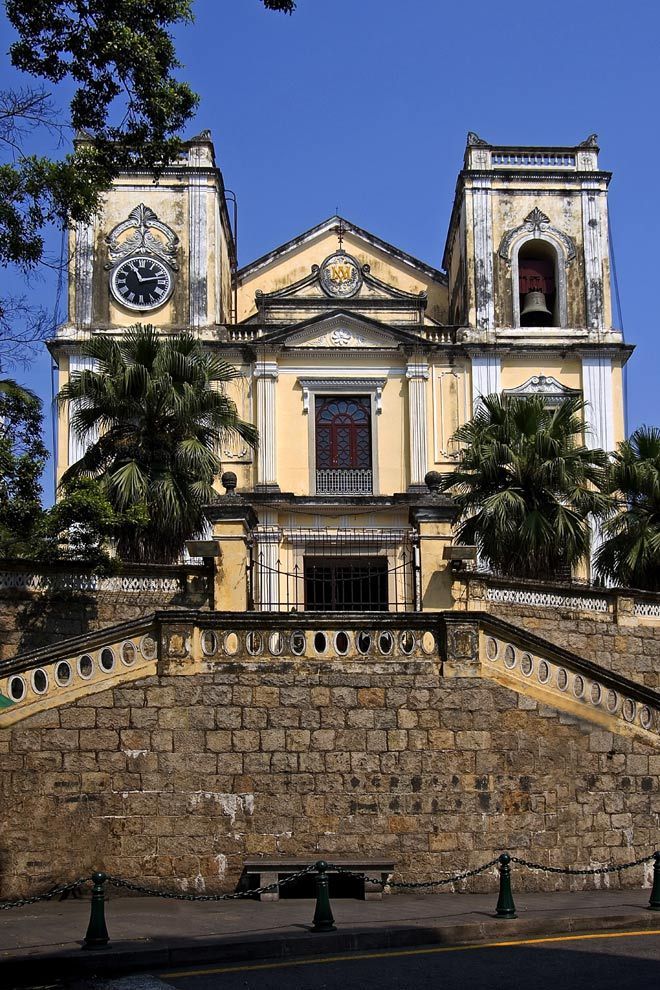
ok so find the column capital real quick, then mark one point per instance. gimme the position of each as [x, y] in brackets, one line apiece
[266, 369]
[417, 369]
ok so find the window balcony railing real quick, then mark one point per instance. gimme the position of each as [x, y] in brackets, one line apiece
[357, 481]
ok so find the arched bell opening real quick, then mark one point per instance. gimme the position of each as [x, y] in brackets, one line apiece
[537, 285]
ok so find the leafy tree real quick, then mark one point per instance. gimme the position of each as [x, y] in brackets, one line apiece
[80, 526]
[526, 486]
[158, 406]
[22, 459]
[630, 553]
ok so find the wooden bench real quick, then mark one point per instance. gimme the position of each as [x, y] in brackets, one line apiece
[269, 871]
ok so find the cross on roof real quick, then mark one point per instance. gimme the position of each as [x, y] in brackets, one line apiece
[340, 230]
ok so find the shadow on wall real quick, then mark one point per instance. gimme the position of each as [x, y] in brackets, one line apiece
[44, 621]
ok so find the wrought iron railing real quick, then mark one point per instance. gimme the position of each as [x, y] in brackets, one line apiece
[353, 481]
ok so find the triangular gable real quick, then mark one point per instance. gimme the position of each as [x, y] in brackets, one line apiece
[330, 224]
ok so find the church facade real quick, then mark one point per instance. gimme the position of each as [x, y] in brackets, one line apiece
[359, 361]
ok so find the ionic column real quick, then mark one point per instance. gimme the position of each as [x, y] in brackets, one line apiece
[417, 375]
[265, 376]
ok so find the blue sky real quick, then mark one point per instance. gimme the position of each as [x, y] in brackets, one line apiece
[363, 105]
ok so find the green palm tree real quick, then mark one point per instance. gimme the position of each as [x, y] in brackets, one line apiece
[157, 405]
[630, 553]
[526, 485]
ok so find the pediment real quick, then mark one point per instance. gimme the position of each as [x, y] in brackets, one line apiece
[340, 332]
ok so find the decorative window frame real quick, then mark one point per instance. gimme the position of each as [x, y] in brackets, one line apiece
[548, 388]
[537, 227]
[371, 387]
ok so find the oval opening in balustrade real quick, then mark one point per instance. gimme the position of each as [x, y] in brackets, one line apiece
[128, 653]
[107, 659]
[276, 643]
[209, 643]
[320, 642]
[612, 700]
[254, 643]
[428, 643]
[17, 688]
[509, 656]
[385, 642]
[407, 642]
[578, 686]
[543, 672]
[492, 648]
[527, 664]
[298, 642]
[562, 679]
[629, 710]
[363, 642]
[645, 717]
[230, 643]
[341, 643]
[63, 673]
[149, 647]
[85, 666]
[39, 681]
[596, 693]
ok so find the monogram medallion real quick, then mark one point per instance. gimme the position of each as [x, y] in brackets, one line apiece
[340, 275]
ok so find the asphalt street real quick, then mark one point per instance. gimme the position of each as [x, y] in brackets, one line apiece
[608, 962]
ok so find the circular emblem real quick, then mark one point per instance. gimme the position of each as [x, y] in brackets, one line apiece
[141, 283]
[340, 275]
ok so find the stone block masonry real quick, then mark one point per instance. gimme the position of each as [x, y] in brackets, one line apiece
[174, 781]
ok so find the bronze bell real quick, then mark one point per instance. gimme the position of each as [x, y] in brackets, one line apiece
[535, 303]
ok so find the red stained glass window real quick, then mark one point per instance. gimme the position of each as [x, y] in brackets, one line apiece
[343, 433]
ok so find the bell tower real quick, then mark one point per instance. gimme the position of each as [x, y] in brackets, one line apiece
[528, 261]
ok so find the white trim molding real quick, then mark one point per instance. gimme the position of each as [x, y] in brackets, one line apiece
[333, 385]
[595, 234]
[198, 238]
[551, 391]
[84, 274]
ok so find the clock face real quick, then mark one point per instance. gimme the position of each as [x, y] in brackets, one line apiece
[141, 283]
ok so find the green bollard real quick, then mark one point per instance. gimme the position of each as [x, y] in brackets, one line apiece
[323, 920]
[505, 906]
[654, 902]
[97, 934]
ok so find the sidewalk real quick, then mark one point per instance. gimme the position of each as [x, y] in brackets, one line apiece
[151, 933]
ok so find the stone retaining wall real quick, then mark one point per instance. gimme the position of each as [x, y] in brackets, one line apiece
[41, 606]
[174, 780]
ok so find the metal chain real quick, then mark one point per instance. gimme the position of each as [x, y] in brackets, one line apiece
[176, 896]
[62, 888]
[581, 873]
[416, 886]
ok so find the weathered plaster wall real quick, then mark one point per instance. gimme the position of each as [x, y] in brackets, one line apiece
[174, 780]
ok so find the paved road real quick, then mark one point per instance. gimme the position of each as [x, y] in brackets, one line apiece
[608, 962]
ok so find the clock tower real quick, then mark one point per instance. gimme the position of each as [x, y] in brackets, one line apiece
[159, 251]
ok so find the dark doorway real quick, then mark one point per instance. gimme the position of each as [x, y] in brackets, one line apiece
[342, 586]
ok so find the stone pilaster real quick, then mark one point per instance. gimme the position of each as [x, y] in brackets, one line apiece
[233, 522]
[597, 392]
[417, 375]
[594, 229]
[482, 226]
[84, 274]
[198, 237]
[78, 446]
[486, 376]
[265, 376]
[267, 563]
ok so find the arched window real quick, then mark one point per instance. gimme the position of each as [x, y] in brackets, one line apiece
[343, 433]
[537, 285]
